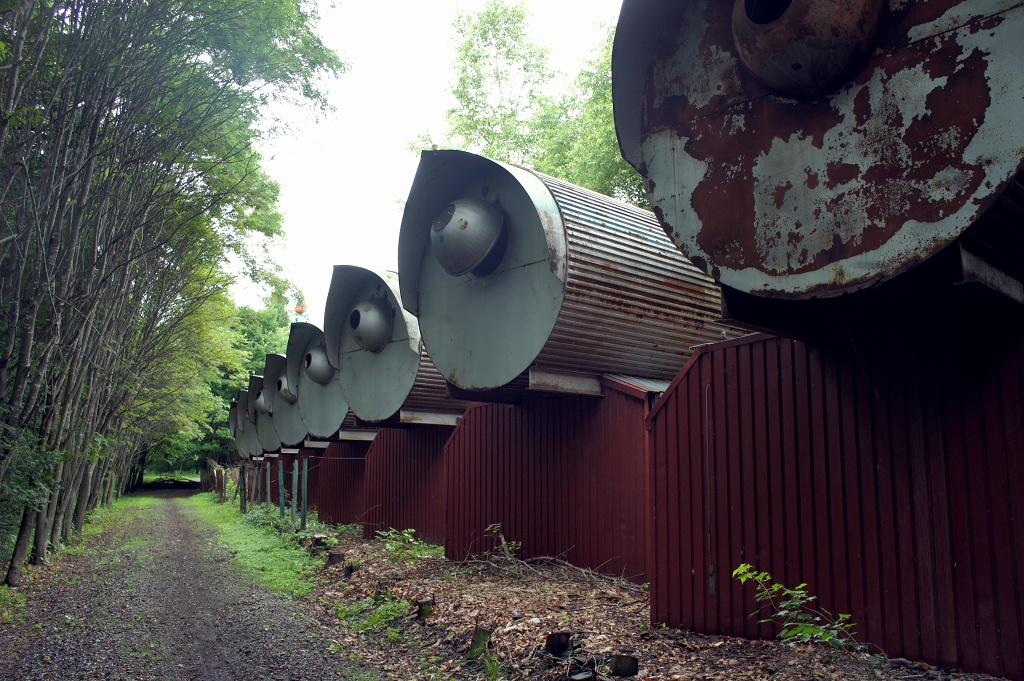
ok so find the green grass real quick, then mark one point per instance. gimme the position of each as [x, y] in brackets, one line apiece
[151, 476]
[274, 561]
[11, 602]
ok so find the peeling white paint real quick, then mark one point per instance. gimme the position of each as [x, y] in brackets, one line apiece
[897, 101]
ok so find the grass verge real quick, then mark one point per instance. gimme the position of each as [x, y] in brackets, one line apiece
[274, 561]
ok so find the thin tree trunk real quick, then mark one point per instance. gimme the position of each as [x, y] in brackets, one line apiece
[44, 521]
[21, 547]
[83, 497]
[62, 524]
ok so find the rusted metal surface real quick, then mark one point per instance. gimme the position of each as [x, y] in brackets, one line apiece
[380, 382]
[887, 478]
[405, 481]
[819, 195]
[564, 476]
[586, 283]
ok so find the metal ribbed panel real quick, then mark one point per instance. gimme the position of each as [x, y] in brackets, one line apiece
[429, 391]
[564, 476]
[336, 482]
[633, 303]
[888, 479]
[405, 481]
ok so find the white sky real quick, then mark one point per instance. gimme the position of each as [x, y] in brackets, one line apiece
[343, 179]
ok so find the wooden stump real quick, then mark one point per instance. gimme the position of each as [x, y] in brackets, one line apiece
[424, 607]
[334, 557]
[623, 665]
[558, 644]
[481, 641]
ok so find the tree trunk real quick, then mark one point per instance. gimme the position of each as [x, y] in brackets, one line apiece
[28, 519]
[63, 527]
[44, 520]
[83, 497]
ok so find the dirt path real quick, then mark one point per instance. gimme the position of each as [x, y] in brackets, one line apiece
[154, 597]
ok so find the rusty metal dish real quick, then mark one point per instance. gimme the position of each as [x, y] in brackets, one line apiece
[783, 193]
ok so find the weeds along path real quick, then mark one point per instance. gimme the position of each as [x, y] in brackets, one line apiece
[153, 596]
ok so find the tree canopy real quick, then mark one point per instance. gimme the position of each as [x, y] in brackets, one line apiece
[129, 176]
[506, 108]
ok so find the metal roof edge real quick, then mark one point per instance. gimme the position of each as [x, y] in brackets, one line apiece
[698, 352]
[639, 387]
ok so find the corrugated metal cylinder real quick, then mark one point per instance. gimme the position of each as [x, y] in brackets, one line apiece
[396, 379]
[578, 281]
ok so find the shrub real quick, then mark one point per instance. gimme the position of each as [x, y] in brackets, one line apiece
[793, 609]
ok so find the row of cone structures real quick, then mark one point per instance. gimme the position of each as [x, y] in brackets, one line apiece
[512, 281]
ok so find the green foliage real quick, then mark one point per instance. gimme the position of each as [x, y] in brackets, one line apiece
[504, 554]
[11, 601]
[492, 667]
[269, 516]
[792, 608]
[578, 143]
[369, 615]
[506, 112]
[272, 560]
[402, 545]
[500, 79]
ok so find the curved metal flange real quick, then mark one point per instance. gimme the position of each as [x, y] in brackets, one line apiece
[264, 422]
[483, 331]
[375, 384]
[233, 418]
[822, 195]
[322, 408]
[254, 388]
[241, 419]
[287, 420]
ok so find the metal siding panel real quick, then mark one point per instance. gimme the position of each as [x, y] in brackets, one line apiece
[405, 481]
[980, 528]
[911, 476]
[906, 534]
[733, 607]
[1006, 617]
[822, 574]
[540, 466]
[1014, 473]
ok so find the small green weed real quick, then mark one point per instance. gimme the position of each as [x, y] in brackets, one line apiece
[504, 555]
[791, 608]
[492, 667]
[369, 615]
[402, 545]
[11, 601]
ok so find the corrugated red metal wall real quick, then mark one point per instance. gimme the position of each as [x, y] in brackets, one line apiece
[888, 479]
[285, 461]
[405, 481]
[564, 476]
[336, 482]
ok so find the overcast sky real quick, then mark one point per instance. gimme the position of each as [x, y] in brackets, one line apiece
[344, 177]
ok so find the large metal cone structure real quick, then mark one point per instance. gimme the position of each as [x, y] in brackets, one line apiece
[385, 372]
[508, 270]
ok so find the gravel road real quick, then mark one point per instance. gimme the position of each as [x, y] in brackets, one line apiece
[154, 597]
